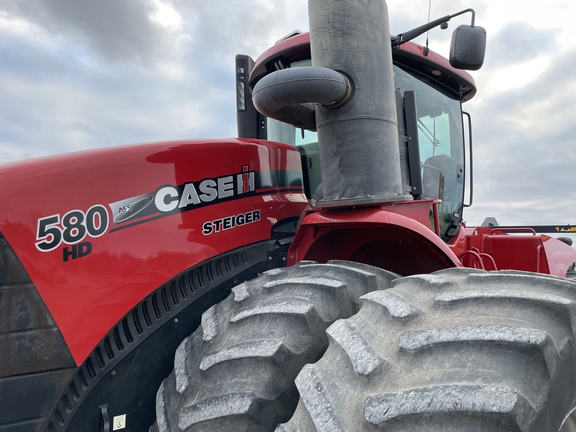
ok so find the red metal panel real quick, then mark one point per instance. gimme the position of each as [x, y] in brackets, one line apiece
[522, 252]
[219, 195]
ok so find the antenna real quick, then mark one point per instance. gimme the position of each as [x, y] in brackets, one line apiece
[427, 50]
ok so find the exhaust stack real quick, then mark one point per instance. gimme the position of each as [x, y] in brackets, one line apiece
[358, 142]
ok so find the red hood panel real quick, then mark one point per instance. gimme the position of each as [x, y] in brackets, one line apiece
[97, 231]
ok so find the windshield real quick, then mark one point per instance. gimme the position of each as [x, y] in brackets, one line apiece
[440, 136]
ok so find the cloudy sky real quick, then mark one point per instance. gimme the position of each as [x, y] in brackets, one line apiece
[83, 74]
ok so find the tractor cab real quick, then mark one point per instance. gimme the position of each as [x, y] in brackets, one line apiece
[431, 139]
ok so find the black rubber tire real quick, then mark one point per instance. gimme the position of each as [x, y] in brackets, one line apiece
[457, 350]
[237, 371]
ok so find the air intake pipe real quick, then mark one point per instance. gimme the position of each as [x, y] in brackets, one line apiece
[354, 107]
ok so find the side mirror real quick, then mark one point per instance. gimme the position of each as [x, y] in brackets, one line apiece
[468, 47]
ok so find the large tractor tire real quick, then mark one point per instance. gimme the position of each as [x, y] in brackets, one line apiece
[237, 371]
[458, 350]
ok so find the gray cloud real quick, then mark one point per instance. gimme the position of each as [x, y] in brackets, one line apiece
[117, 30]
[519, 41]
[80, 84]
[526, 151]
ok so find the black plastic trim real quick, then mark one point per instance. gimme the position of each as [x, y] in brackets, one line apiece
[250, 123]
[35, 362]
[413, 143]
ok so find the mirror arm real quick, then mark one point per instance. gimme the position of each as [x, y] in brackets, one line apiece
[402, 38]
[463, 12]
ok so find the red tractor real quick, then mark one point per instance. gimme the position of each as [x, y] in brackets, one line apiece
[313, 274]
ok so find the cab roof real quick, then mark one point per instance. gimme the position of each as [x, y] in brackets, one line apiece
[408, 55]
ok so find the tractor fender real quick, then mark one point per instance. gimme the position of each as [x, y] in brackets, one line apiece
[559, 255]
[388, 236]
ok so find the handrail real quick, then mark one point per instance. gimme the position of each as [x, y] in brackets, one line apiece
[480, 256]
[492, 261]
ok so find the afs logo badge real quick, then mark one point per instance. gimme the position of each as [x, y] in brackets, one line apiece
[131, 207]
